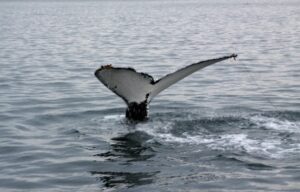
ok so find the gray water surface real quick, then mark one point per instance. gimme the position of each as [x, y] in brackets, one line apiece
[234, 126]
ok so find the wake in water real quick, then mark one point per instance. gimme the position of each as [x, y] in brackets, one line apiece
[265, 135]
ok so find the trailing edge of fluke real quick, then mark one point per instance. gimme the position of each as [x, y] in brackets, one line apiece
[138, 89]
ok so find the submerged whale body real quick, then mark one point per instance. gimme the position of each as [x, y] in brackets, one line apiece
[138, 89]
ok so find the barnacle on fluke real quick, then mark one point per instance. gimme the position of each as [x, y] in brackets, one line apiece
[109, 66]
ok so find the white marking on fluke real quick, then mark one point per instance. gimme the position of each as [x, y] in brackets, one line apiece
[138, 89]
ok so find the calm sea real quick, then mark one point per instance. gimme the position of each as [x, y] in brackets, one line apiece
[234, 126]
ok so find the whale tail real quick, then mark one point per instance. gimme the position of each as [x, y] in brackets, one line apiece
[138, 89]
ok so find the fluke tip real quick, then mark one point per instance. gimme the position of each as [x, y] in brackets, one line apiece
[234, 56]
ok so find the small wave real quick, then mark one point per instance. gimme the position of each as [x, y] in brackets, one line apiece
[58, 117]
[250, 163]
[275, 123]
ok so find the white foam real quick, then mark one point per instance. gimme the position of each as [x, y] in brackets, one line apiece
[241, 142]
[113, 117]
[168, 137]
[276, 124]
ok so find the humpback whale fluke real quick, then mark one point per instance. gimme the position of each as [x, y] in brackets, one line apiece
[138, 89]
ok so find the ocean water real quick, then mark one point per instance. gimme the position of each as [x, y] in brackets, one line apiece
[234, 126]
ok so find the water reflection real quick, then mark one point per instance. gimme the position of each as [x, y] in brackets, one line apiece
[127, 150]
[129, 147]
[124, 179]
